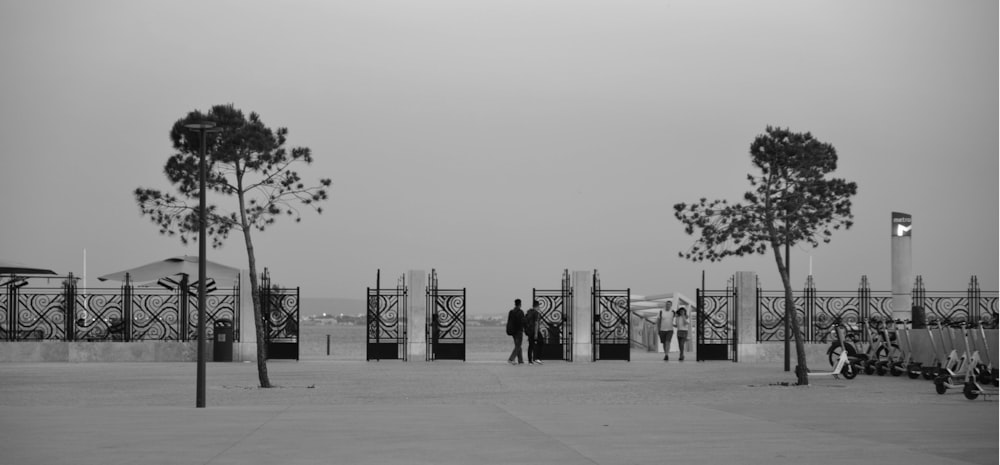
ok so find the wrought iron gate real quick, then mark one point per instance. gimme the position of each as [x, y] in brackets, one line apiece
[445, 328]
[611, 328]
[716, 326]
[387, 321]
[556, 307]
[280, 309]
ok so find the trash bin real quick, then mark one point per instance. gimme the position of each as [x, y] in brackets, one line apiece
[918, 317]
[222, 341]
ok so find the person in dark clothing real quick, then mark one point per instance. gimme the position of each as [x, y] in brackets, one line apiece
[532, 321]
[515, 324]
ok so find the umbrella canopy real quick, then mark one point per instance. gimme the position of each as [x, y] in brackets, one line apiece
[186, 265]
[9, 267]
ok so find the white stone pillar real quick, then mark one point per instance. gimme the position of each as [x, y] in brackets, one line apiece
[416, 316]
[583, 316]
[246, 349]
[746, 316]
[902, 266]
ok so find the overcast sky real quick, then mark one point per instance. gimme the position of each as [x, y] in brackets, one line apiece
[503, 141]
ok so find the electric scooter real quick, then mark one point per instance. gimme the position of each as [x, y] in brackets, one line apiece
[987, 372]
[932, 369]
[952, 361]
[876, 350]
[846, 365]
[893, 354]
[908, 364]
[839, 345]
[974, 381]
[955, 379]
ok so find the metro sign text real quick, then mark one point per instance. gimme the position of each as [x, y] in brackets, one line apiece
[902, 224]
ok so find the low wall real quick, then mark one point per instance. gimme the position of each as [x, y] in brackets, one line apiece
[921, 343]
[768, 352]
[59, 351]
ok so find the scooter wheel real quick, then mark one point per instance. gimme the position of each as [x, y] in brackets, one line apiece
[895, 370]
[970, 390]
[913, 373]
[834, 353]
[868, 367]
[880, 369]
[931, 372]
[939, 385]
[849, 371]
[985, 377]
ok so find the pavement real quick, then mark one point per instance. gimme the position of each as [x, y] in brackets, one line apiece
[482, 412]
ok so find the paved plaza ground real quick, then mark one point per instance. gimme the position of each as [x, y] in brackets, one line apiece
[482, 412]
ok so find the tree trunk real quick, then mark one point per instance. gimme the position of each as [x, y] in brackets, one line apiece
[258, 317]
[801, 369]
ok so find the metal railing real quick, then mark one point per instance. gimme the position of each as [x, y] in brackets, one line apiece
[129, 313]
[817, 310]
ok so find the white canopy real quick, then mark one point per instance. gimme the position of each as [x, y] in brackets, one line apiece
[185, 265]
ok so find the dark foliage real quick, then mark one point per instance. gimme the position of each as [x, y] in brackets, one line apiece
[248, 162]
[792, 201]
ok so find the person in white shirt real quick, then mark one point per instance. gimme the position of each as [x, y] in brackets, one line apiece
[681, 324]
[665, 324]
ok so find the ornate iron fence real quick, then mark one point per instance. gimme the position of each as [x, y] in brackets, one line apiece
[37, 314]
[280, 311]
[386, 321]
[126, 314]
[817, 310]
[612, 322]
[96, 312]
[556, 308]
[445, 328]
[716, 324]
[972, 305]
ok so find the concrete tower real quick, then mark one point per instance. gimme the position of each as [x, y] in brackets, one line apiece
[902, 265]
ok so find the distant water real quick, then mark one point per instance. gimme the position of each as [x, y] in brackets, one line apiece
[348, 342]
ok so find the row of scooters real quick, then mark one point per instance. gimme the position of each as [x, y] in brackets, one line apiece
[889, 349]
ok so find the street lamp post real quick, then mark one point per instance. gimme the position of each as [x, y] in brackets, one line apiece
[204, 128]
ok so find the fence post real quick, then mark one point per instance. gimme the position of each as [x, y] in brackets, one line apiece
[127, 310]
[69, 295]
[11, 310]
[973, 298]
[265, 301]
[919, 295]
[864, 293]
[809, 310]
[699, 320]
[183, 308]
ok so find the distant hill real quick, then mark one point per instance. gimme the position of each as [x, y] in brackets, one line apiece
[310, 306]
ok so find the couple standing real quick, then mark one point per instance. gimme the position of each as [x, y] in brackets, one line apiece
[668, 321]
[529, 323]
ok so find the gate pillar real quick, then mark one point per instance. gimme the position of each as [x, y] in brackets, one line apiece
[745, 283]
[583, 317]
[416, 316]
[246, 349]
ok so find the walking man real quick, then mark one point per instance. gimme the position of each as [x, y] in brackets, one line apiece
[665, 324]
[532, 320]
[515, 324]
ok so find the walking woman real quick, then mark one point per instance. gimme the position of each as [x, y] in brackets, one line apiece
[681, 326]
